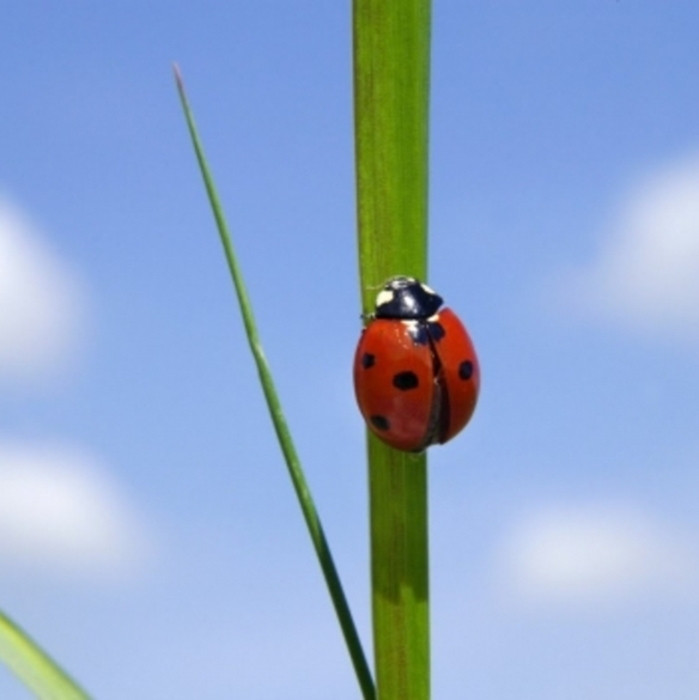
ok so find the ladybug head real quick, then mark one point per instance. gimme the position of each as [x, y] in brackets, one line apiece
[406, 298]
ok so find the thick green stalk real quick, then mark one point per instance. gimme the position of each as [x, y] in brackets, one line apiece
[391, 92]
[281, 428]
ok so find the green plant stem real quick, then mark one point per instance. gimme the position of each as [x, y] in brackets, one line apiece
[391, 92]
[293, 463]
[34, 667]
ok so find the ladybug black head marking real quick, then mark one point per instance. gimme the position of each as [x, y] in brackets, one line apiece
[406, 298]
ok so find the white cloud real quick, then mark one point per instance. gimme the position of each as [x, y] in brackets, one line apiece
[646, 274]
[61, 513]
[41, 304]
[595, 554]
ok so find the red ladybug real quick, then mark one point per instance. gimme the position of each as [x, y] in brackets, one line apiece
[416, 374]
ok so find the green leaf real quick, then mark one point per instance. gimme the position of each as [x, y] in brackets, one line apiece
[291, 458]
[34, 667]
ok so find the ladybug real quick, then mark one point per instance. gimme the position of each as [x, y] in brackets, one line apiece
[416, 375]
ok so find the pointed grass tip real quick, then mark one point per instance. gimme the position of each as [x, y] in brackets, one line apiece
[178, 76]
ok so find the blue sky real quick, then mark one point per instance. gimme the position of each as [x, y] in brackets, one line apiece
[149, 537]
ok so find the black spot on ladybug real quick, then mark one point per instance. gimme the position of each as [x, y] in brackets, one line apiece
[380, 422]
[436, 331]
[405, 381]
[466, 370]
[368, 360]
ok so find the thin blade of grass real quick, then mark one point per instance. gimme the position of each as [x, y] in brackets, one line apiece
[391, 94]
[293, 463]
[34, 667]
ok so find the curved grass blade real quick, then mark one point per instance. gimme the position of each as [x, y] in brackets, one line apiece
[293, 463]
[391, 98]
[34, 667]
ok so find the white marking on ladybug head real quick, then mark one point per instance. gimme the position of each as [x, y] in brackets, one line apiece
[429, 290]
[385, 296]
[410, 324]
[434, 318]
